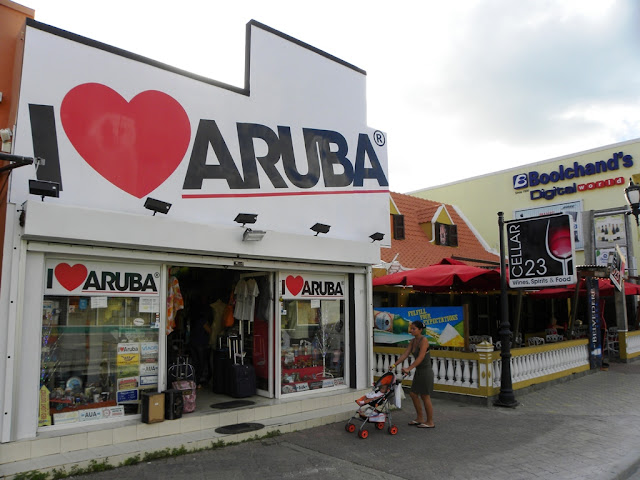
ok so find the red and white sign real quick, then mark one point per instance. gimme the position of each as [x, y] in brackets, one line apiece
[291, 146]
[299, 286]
[94, 278]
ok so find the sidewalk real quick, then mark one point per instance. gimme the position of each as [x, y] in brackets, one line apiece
[587, 428]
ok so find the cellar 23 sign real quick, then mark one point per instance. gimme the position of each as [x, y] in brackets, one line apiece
[541, 251]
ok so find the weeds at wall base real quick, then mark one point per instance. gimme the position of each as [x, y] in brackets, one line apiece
[104, 465]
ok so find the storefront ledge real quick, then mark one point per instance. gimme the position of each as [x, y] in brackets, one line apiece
[276, 416]
[44, 447]
[15, 452]
[99, 438]
[118, 453]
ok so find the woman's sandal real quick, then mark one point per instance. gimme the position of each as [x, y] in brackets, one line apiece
[413, 422]
[424, 425]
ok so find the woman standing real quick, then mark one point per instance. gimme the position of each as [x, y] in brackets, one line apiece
[422, 385]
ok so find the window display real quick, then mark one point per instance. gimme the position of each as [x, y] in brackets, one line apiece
[312, 335]
[99, 352]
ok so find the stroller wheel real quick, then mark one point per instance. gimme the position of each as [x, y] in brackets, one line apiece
[350, 427]
[380, 425]
[393, 430]
[363, 434]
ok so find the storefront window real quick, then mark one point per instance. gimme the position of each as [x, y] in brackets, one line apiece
[312, 333]
[100, 349]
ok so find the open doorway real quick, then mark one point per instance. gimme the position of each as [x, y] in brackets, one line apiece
[201, 334]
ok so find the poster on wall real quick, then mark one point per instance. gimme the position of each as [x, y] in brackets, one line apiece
[444, 326]
[610, 231]
[572, 208]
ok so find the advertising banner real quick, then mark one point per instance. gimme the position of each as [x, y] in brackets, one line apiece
[541, 251]
[595, 336]
[444, 326]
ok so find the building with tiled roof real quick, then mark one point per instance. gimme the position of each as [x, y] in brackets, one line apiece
[423, 232]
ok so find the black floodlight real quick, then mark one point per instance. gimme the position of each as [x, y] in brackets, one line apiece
[157, 205]
[253, 235]
[632, 194]
[245, 218]
[320, 228]
[376, 237]
[44, 188]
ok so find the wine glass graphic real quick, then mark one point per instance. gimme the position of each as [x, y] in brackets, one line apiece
[559, 244]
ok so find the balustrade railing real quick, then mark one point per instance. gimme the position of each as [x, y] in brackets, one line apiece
[478, 373]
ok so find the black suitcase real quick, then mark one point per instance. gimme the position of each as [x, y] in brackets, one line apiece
[221, 363]
[242, 381]
[173, 404]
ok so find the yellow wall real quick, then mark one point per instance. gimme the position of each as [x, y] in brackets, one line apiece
[481, 198]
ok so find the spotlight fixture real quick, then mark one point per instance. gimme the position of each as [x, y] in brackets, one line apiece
[320, 228]
[632, 194]
[253, 235]
[44, 188]
[376, 237]
[245, 218]
[157, 205]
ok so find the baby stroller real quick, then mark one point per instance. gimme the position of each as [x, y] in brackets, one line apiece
[374, 407]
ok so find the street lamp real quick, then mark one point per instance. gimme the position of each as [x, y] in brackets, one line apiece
[632, 192]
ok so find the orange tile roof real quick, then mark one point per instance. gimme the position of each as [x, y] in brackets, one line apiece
[416, 251]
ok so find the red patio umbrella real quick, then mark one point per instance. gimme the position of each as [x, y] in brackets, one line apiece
[445, 276]
[605, 287]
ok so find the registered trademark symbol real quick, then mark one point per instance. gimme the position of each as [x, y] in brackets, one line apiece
[378, 137]
[156, 274]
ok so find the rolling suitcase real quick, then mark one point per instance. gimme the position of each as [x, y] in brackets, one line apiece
[242, 378]
[181, 376]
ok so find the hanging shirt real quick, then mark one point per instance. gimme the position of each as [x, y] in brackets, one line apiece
[240, 293]
[175, 302]
[245, 296]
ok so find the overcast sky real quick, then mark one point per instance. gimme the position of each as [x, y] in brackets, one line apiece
[462, 88]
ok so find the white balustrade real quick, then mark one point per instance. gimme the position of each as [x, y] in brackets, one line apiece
[633, 343]
[463, 372]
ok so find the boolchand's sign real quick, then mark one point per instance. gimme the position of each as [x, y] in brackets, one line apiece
[542, 185]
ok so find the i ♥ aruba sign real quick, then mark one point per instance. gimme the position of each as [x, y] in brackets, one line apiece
[101, 279]
[304, 286]
[283, 146]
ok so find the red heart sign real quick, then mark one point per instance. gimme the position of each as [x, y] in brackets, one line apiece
[135, 145]
[70, 277]
[294, 284]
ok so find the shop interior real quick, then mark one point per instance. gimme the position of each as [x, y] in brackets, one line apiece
[219, 318]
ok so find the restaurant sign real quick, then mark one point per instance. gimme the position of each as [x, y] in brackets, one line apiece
[541, 251]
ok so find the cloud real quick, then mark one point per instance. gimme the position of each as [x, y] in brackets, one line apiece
[526, 81]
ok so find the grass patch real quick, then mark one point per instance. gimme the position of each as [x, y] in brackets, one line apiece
[104, 465]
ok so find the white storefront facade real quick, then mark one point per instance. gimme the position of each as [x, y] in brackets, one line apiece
[88, 275]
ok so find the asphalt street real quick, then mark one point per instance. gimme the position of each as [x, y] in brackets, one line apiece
[585, 428]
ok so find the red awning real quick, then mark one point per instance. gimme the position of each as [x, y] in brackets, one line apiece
[447, 275]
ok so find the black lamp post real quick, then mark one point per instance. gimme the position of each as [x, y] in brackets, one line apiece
[632, 192]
